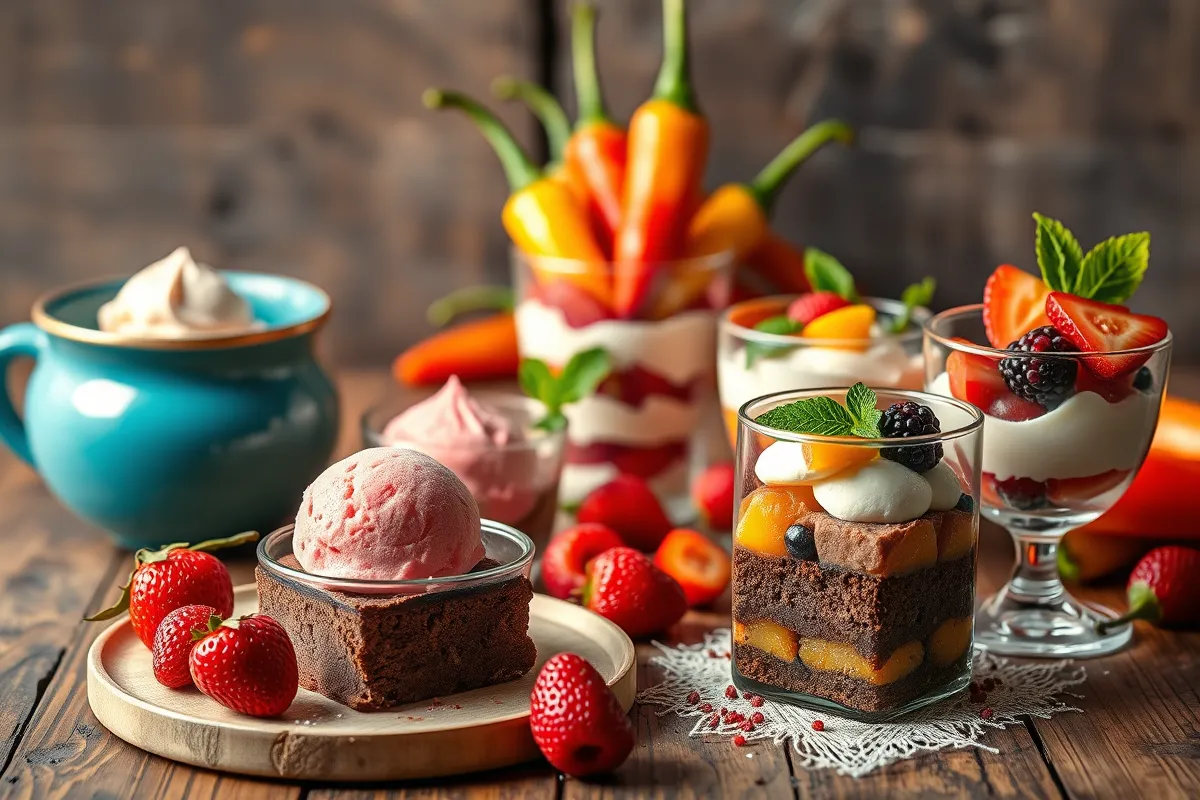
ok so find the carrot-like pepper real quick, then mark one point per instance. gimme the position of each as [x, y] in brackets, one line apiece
[542, 215]
[476, 350]
[779, 262]
[668, 145]
[735, 216]
[596, 150]
[545, 107]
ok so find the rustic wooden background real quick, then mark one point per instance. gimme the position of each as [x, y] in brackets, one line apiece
[288, 135]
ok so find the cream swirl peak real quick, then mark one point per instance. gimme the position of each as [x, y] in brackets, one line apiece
[176, 298]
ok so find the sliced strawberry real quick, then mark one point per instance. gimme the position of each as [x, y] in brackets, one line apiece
[1096, 327]
[1014, 409]
[700, 565]
[807, 307]
[1114, 391]
[579, 307]
[565, 561]
[1014, 302]
[1081, 493]
[977, 380]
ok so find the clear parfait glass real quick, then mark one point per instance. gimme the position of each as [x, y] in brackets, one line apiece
[854, 574]
[1047, 470]
[644, 418]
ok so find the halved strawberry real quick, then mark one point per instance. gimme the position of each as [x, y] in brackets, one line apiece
[1014, 303]
[1114, 391]
[807, 307]
[1096, 327]
[1081, 493]
[977, 380]
[578, 307]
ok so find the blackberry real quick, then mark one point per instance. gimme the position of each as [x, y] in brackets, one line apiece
[801, 542]
[1045, 381]
[1143, 381]
[1022, 494]
[902, 420]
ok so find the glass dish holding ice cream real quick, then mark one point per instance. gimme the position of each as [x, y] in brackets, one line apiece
[392, 588]
[491, 441]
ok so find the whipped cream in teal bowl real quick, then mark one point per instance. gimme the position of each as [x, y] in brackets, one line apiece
[190, 422]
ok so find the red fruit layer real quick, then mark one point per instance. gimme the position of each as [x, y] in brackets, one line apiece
[579, 307]
[645, 462]
[977, 380]
[633, 385]
[1080, 492]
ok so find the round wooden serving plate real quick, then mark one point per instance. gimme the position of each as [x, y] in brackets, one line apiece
[318, 739]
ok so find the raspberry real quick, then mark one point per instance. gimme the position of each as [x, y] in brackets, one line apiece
[818, 725]
[731, 692]
[756, 701]
[902, 420]
[707, 707]
[757, 718]
[1045, 381]
[693, 698]
[739, 740]
[987, 713]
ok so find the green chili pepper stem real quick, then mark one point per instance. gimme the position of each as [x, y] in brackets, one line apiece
[518, 167]
[543, 105]
[588, 95]
[674, 83]
[771, 179]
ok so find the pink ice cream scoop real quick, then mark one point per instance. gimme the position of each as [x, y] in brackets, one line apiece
[387, 514]
[480, 444]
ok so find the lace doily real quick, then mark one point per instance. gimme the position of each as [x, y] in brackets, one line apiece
[697, 678]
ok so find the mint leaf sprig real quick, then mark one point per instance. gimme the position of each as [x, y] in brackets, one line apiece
[1110, 272]
[915, 296]
[579, 378]
[825, 416]
[826, 274]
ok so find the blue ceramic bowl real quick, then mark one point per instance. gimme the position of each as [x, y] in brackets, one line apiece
[175, 440]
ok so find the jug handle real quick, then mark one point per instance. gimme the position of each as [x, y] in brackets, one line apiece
[23, 339]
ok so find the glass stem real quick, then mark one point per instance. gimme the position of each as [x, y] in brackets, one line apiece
[1035, 580]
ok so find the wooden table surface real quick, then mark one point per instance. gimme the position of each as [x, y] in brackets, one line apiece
[1139, 735]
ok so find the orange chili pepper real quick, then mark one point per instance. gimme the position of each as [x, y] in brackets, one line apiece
[735, 216]
[542, 215]
[779, 262]
[668, 145]
[596, 151]
[476, 350]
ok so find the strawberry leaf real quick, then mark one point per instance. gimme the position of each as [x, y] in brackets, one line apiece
[1113, 270]
[1058, 254]
[826, 274]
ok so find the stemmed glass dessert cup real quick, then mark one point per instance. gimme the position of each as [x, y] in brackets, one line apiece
[1048, 469]
[515, 483]
[752, 363]
[854, 573]
[643, 418]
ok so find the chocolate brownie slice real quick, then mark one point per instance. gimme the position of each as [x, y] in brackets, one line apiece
[370, 652]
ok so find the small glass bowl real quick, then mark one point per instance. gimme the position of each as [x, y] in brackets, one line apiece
[512, 549]
[515, 483]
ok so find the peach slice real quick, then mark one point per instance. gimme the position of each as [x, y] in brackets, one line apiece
[851, 322]
[950, 641]
[766, 514]
[770, 637]
[956, 535]
[841, 657]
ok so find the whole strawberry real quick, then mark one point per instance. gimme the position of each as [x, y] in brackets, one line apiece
[628, 506]
[576, 720]
[626, 587]
[174, 639]
[568, 553]
[247, 665]
[712, 493]
[1163, 588]
[172, 576]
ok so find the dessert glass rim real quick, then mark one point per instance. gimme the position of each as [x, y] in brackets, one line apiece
[562, 265]
[512, 568]
[987, 350]
[48, 322]
[373, 432]
[926, 398]
[920, 316]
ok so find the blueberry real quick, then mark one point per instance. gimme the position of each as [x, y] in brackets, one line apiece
[965, 503]
[1144, 380]
[801, 542]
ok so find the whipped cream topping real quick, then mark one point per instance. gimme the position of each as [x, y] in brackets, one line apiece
[883, 364]
[944, 485]
[786, 463]
[176, 298]
[876, 491]
[659, 419]
[1085, 436]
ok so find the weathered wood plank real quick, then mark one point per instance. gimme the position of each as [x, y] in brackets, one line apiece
[532, 782]
[268, 135]
[53, 566]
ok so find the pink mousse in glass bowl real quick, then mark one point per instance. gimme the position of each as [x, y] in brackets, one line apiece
[490, 440]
